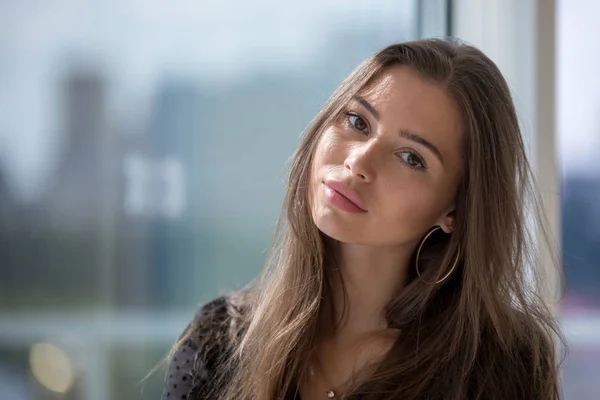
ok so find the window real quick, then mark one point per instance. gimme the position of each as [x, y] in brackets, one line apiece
[142, 160]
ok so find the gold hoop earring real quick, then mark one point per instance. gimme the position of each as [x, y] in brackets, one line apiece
[442, 279]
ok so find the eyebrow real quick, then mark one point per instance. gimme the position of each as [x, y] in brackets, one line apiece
[368, 106]
[403, 133]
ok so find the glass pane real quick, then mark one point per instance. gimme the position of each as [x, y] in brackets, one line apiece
[578, 82]
[143, 153]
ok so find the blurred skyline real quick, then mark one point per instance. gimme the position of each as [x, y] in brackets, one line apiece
[137, 44]
[152, 201]
[143, 150]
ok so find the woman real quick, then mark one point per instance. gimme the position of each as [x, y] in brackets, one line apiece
[398, 270]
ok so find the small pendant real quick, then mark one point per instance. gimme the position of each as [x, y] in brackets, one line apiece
[331, 394]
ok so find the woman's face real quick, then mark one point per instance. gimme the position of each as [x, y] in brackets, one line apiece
[395, 152]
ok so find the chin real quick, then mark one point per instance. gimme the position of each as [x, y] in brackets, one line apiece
[335, 224]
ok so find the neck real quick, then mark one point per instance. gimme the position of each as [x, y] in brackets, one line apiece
[371, 277]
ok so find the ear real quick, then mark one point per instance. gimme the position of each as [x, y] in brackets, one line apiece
[447, 222]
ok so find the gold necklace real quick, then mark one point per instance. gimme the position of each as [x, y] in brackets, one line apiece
[329, 392]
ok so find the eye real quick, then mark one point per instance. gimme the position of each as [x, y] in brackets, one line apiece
[412, 160]
[358, 122]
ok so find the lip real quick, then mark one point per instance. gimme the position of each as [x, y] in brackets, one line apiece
[347, 194]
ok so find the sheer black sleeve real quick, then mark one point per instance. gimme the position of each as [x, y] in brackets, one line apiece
[193, 367]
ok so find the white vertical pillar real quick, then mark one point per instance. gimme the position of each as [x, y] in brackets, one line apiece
[519, 35]
[546, 162]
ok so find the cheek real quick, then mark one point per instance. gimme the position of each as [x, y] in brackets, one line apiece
[414, 205]
[330, 153]
[330, 149]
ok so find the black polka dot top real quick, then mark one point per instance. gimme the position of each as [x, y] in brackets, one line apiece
[192, 369]
[195, 369]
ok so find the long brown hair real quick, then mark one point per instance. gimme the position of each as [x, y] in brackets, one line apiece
[485, 332]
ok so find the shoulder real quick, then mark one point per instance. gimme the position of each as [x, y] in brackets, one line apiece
[204, 344]
[209, 320]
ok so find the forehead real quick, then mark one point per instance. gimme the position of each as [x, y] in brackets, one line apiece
[406, 100]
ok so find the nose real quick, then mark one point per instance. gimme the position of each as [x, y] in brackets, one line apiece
[360, 161]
